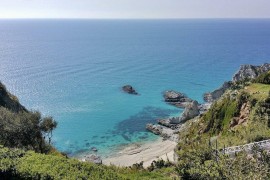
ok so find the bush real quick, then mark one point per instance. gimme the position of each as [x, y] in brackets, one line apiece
[263, 78]
[25, 130]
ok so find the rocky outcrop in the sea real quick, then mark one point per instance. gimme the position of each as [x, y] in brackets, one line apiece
[192, 110]
[216, 94]
[176, 98]
[129, 89]
[10, 101]
[250, 71]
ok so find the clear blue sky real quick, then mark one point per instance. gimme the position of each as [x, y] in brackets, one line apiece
[134, 9]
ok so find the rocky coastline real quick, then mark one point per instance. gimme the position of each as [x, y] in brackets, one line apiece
[169, 128]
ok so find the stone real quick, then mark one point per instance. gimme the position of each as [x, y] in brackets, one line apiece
[156, 129]
[165, 132]
[94, 149]
[93, 158]
[192, 110]
[176, 98]
[129, 89]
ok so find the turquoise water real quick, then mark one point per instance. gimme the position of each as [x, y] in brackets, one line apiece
[74, 70]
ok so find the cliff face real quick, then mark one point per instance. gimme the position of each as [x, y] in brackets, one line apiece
[245, 72]
[9, 101]
[216, 94]
[250, 71]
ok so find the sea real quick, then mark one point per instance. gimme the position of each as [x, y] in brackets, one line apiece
[73, 70]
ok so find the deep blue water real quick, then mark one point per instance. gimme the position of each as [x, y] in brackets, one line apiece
[74, 70]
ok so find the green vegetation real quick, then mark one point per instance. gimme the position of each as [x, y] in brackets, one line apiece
[263, 78]
[239, 117]
[16, 163]
[25, 130]
[258, 91]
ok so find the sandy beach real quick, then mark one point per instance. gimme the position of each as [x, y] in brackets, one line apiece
[147, 153]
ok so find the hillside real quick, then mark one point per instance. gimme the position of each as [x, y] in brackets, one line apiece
[240, 116]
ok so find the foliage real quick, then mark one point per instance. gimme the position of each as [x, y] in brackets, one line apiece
[195, 165]
[219, 115]
[263, 78]
[24, 129]
[159, 164]
[198, 158]
[31, 165]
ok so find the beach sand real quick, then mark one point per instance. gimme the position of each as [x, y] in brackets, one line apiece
[147, 153]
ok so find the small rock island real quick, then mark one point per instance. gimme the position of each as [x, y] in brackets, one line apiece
[129, 89]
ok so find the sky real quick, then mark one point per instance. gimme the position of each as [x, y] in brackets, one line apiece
[134, 9]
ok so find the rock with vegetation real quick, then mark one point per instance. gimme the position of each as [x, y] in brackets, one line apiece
[216, 94]
[248, 72]
[239, 117]
[9, 101]
[129, 89]
[263, 78]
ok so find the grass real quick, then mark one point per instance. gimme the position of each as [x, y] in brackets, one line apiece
[258, 91]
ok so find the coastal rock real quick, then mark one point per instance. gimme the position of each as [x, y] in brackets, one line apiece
[250, 71]
[216, 94]
[166, 123]
[93, 158]
[129, 89]
[176, 98]
[94, 149]
[165, 132]
[192, 110]
[156, 129]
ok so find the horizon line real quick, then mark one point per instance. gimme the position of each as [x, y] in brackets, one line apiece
[197, 18]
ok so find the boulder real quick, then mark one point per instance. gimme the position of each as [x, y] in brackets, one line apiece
[93, 158]
[156, 129]
[94, 149]
[176, 98]
[129, 89]
[165, 132]
[192, 110]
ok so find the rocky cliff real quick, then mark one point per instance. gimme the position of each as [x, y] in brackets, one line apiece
[246, 72]
[9, 101]
[216, 94]
[250, 71]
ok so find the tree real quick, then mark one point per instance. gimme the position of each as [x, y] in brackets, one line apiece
[47, 125]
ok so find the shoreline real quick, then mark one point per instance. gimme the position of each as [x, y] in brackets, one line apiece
[146, 152]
